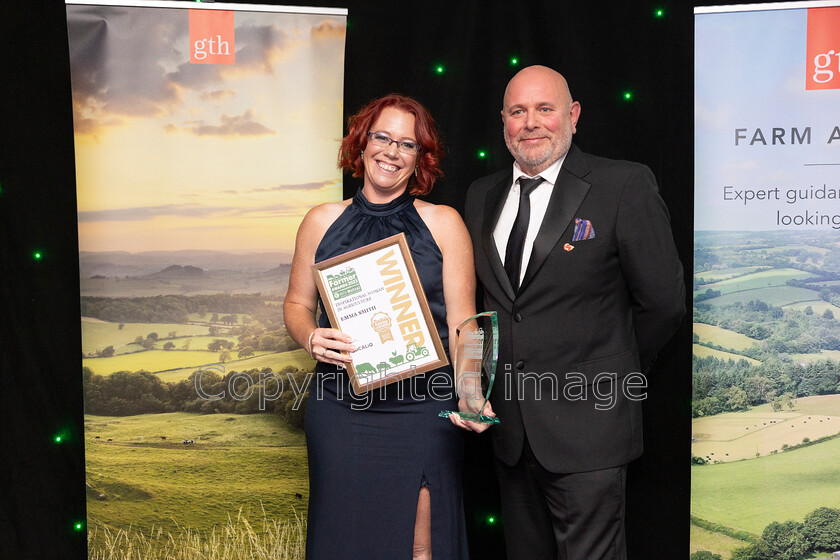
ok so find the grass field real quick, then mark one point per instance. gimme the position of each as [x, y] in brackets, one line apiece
[152, 361]
[726, 273]
[762, 279]
[96, 335]
[276, 361]
[723, 337]
[819, 307]
[747, 495]
[833, 355]
[197, 318]
[249, 463]
[196, 342]
[703, 351]
[779, 295]
[740, 435]
[701, 539]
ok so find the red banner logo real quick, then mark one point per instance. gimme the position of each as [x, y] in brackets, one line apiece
[822, 66]
[212, 37]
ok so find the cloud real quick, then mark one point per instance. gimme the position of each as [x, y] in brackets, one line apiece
[217, 95]
[329, 29]
[148, 212]
[229, 126]
[138, 66]
[314, 186]
[144, 213]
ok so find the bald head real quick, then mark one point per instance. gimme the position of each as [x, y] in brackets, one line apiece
[539, 118]
[539, 76]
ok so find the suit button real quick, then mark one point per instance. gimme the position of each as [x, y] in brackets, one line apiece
[520, 365]
[517, 318]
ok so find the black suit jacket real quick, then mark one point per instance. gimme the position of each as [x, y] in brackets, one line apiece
[589, 317]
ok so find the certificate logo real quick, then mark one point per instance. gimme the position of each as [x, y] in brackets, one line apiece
[381, 323]
[822, 66]
[344, 284]
[212, 37]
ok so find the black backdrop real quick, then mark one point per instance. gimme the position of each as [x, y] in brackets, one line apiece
[602, 48]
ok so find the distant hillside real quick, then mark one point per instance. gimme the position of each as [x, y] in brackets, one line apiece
[123, 263]
[178, 271]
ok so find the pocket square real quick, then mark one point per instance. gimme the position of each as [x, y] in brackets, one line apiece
[583, 230]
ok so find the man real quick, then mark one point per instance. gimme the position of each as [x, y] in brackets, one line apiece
[588, 287]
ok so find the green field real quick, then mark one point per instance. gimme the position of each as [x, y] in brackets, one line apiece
[197, 342]
[725, 273]
[833, 355]
[701, 539]
[764, 279]
[724, 337]
[96, 335]
[252, 463]
[818, 306]
[197, 318]
[151, 360]
[747, 495]
[779, 295]
[277, 361]
[703, 351]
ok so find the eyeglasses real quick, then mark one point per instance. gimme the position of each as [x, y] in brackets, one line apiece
[384, 141]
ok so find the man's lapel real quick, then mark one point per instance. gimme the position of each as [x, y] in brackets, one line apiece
[569, 191]
[495, 201]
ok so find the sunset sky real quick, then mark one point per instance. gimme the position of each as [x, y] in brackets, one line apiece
[172, 155]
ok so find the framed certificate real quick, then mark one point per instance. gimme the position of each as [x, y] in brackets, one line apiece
[374, 294]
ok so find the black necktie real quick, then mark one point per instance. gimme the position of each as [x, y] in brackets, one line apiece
[516, 241]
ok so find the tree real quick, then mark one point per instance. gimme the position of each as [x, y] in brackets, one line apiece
[737, 400]
[822, 528]
[753, 551]
[107, 352]
[245, 352]
[786, 541]
[153, 335]
[224, 355]
[121, 326]
[171, 334]
[705, 555]
[169, 345]
[828, 314]
[186, 344]
[809, 310]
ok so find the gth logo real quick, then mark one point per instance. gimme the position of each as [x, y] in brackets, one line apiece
[211, 37]
[822, 70]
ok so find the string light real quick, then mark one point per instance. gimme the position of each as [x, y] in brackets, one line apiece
[481, 154]
[514, 61]
[491, 520]
[627, 95]
[439, 69]
[659, 13]
[80, 525]
[37, 255]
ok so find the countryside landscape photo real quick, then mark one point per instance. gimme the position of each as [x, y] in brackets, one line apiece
[192, 179]
[766, 395]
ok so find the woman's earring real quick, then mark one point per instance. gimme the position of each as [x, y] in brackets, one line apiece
[363, 153]
[415, 171]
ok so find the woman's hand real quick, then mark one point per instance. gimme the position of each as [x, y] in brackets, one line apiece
[327, 345]
[469, 425]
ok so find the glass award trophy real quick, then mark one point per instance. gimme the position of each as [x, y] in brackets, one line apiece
[477, 352]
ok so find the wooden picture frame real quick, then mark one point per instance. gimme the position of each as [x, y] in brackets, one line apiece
[374, 294]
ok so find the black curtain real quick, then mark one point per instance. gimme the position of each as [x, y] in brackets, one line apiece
[602, 48]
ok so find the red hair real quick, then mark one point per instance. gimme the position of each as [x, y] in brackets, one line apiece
[431, 152]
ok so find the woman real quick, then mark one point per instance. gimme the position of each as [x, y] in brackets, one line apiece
[378, 467]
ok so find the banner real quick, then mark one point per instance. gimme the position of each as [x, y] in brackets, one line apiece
[766, 375]
[203, 134]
